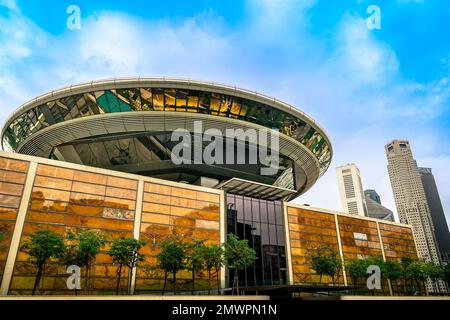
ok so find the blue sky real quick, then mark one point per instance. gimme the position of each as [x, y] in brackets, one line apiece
[365, 87]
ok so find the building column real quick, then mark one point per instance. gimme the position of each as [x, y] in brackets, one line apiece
[223, 233]
[18, 228]
[289, 268]
[384, 257]
[344, 274]
[137, 227]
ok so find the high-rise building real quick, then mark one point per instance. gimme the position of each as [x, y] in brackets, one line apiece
[410, 198]
[441, 232]
[351, 190]
[374, 207]
[372, 194]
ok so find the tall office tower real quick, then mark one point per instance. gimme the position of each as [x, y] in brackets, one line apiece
[374, 207]
[350, 190]
[410, 199]
[441, 232]
[372, 194]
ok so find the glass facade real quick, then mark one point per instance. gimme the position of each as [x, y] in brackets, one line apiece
[193, 215]
[310, 231]
[261, 223]
[65, 199]
[167, 99]
[12, 179]
[398, 242]
[359, 239]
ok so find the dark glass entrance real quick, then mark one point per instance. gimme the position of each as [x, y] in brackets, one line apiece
[261, 223]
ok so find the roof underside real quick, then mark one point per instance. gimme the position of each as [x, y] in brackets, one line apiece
[254, 189]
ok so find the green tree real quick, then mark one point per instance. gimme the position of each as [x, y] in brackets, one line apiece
[326, 261]
[238, 255]
[195, 259]
[356, 269]
[125, 252]
[214, 259]
[435, 272]
[82, 248]
[416, 271]
[446, 274]
[393, 271]
[4, 231]
[405, 262]
[171, 258]
[41, 247]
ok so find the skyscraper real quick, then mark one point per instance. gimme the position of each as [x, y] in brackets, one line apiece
[351, 190]
[410, 198]
[441, 232]
[372, 194]
[374, 207]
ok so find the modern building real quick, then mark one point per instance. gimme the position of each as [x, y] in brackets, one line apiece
[441, 232]
[127, 125]
[411, 200]
[351, 190]
[98, 156]
[372, 194]
[374, 207]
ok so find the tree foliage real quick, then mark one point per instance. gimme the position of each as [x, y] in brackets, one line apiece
[125, 252]
[238, 255]
[356, 269]
[82, 248]
[195, 260]
[326, 261]
[214, 259]
[41, 247]
[171, 258]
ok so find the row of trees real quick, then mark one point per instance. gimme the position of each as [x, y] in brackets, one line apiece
[80, 248]
[326, 261]
[178, 255]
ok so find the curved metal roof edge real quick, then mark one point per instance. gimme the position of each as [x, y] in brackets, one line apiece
[139, 80]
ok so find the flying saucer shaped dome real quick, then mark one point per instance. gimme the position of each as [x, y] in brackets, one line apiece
[125, 125]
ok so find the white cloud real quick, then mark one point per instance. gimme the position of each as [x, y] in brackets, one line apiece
[10, 4]
[365, 58]
[19, 37]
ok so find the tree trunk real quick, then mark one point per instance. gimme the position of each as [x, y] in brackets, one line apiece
[165, 282]
[237, 283]
[174, 282]
[130, 273]
[37, 280]
[320, 278]
[118, 279]
[86, 280]
[193, 281]
[218, 283]
[209, 281]
[42, 278]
